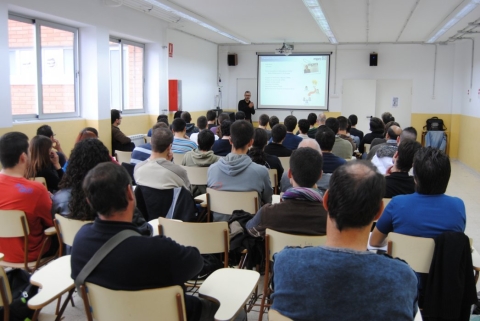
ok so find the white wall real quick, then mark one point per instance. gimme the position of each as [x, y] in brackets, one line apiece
[194, 62]
[415, 62]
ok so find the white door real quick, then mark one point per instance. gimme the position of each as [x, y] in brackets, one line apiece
[358, 97]
[395, 96]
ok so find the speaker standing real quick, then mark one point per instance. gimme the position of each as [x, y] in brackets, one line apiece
[247, 106]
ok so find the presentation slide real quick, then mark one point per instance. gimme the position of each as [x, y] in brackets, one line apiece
[293, 82]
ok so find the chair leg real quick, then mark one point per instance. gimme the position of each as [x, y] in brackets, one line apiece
[64, 305]
[35, 315]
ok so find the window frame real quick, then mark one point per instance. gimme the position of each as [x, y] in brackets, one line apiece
[37, 24]
[122, 42]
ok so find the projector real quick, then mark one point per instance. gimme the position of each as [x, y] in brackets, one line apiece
[286, 50]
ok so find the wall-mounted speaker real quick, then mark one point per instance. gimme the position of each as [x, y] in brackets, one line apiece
[232, 60]
[373, 59]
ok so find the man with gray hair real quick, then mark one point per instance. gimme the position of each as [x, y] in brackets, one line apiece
[322, 118]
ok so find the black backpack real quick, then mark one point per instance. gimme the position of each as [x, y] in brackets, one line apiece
[22, 291]
[434, 123]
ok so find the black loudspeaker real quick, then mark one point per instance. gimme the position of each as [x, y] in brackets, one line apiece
[373, 59]
[232, 60]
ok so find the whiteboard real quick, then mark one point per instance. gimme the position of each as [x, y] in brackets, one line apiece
[244, 84]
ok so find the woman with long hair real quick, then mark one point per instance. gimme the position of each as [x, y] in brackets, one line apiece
[256, 153]
[44, 162]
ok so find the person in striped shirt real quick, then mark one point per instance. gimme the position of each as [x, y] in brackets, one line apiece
[181, 143]
[143, 152]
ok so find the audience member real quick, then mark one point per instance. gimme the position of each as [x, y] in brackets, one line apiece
[342, 131]
[237, 172]
[160, 119]
[159, 171]
[389, 135]
[47, 131]
[303, 128]
[44, 162]
[312, 120]
[354, 131]
[181, 142]
[341, 148]
[211, 119]
[383, 140]
[376, 131]
[291, 141]
[21, 194]
[153, 262]
[322, 118]
[273, 121]
[275, 147]
[383, 157]
[221, 118]
[178, 114]
[356, 139]
[258, 155]
[398, 181]
[222, 146]
[263, 123]
[190, 127]
[202, 124]
[301, 210]
[143, 152]
[387, 117]
[324, 275]
[325, 137]
[239, 115]
[428, 212]
[119, 140]
[409, 133]
[86, 133]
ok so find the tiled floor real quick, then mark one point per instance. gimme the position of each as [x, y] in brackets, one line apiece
[464, 183]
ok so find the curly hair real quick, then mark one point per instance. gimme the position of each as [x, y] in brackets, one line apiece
[86, 155]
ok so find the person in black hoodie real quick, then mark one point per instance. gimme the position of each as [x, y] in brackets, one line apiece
[377, 127]
[258, 156]
[191, 128]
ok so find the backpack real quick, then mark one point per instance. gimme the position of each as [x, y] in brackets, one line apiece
[22, 291]
[434, 123]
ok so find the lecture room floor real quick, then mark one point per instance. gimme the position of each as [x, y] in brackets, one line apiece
[464, 183]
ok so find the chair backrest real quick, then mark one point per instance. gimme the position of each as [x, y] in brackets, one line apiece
[419, 258]
[285, 163]
[123, 157]
[272, 173]
[208, 238]
[386, 201]
[41, 180]
[196, 175]
[178, 158]
[277, 241]
[152, 304]
[226, 202]
[67, 228]
[367, 148]
[5, 292]
[148, 139]
[274, 315]
[13, 223]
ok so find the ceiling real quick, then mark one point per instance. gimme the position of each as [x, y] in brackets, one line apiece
[351, 21]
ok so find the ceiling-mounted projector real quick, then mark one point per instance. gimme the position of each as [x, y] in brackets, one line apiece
[286, 50]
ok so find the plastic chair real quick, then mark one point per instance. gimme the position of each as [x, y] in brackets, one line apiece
[274, 315]
[123, 157]
[275, 242]
[401, 246]
[67, 229]
[285, 163]
[40, 180]
[273, 179]
[367, 148]
[178, 158]
[196, 175]
[13, 223]
[5, 292]
[152, 304]
[226, 202]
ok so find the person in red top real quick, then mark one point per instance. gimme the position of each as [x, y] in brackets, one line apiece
[18, 193]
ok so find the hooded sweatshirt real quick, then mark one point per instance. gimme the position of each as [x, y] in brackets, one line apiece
[196, 158]
[238, 173]
[191, 128]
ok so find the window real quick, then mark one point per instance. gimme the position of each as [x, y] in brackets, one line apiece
[126, 75]
[43, 68]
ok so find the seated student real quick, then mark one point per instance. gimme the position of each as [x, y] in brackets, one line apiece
[143, 152]
[217, 129]
[376, 127]
[398, 181]
[322, 118]
[303, 128]
[392, 134]
[273, 121]
[239, 115]
[160, 119]
[383, 140]
[275, 147]
[312, 121]
[153, 262]
[342, 148]
[47, 131]
[355, 139]
[211, 119]
[291, 141]
[181, 142]
[222, 146]
[237, 172]
[158, 171]
[190, 127]
[18, 193]
[263, 123]
[353, 130]
[342, 131]
[202, 123]
[301, 210]
[428, 212]
[119, 140]
[383, 154]
[44, 162]
[311, 283]
[258, 155]
[326, 139]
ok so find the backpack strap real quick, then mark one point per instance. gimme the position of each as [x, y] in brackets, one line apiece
[101, 254]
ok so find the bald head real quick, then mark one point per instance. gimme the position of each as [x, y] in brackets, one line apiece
[312, 143]
[393, 132]
[321, 119]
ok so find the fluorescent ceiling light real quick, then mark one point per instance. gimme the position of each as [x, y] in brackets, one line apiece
[459, 16]
[316, 11]
[190, 16]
